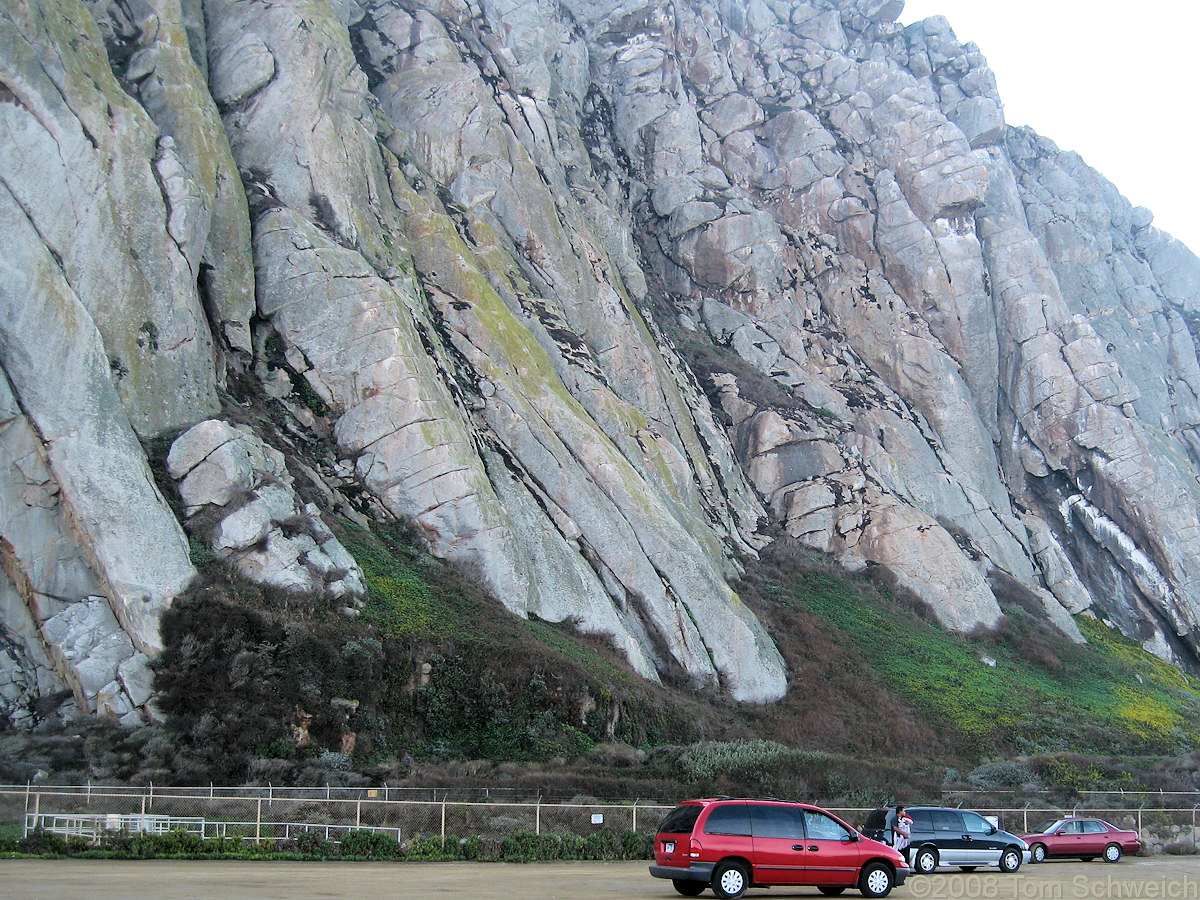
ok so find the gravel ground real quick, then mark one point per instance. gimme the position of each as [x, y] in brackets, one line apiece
[1159, 877]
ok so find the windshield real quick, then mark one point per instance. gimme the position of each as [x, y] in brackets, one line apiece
[1046, 827]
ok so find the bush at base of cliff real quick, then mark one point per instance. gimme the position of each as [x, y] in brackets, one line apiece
[367, 844]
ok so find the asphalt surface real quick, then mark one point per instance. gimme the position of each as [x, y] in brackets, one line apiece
[1159, 877]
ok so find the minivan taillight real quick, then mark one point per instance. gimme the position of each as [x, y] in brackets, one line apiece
[694, 848]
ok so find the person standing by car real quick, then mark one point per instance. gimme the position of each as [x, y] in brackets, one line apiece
[891, 823]
[903, 831]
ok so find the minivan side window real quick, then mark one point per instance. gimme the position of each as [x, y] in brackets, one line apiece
[946, 820]
[681, 820]
[776, 821]
[976, 824]
[732, 818]
[922, 821]
[822, 828]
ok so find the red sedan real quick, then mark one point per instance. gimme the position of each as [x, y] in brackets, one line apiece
[1084, 838]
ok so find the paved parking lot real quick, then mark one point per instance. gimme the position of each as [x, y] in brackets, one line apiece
[1159, 877]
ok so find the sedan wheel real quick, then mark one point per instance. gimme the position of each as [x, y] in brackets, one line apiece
[1010, 859]
[730, 880]
[1112, 852]
[876, 880]
[926, 861]
[1038, 853]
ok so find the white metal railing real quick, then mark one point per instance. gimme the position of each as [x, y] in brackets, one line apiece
[94, 827]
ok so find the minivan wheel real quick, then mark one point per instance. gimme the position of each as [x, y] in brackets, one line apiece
[1010, 859]
[730, 879]
[831, 890]
[876, 880]
[925, 861]
[1038, 853]
[688, 888]
[1112, 852]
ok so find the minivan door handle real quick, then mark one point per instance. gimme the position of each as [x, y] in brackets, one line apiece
[814, 847]
[797, 846]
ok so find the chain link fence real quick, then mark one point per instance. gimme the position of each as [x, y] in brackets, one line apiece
[258, 814]
[261, 813]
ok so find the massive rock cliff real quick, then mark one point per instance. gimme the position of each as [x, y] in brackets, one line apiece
[592, 292]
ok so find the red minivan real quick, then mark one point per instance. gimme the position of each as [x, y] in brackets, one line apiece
[731, 845]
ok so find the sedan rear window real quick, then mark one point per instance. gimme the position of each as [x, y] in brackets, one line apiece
[681, 820]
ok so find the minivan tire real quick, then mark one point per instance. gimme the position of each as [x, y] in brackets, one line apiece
[876, 880]
[730, 879]
[688, 888]
[1010, 859]
[925, 861]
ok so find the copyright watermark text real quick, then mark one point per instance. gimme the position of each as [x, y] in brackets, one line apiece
[1081, 887]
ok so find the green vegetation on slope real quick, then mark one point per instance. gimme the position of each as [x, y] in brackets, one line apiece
[1033, 694]
[435, 682]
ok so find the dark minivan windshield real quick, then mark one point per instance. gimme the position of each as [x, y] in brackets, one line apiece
[681, 819]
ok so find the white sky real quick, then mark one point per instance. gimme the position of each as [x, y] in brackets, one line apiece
[1116, 82]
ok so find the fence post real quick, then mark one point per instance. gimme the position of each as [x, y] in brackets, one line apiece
[37, 811]
[444, 820]
[1026, 819]
[151, 804]
[537, 820]
[358, 813]
[1193, 828]
[635, 803]
[258, 821]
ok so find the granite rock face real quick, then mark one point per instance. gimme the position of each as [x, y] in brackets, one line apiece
[238, 494]
[588, 291]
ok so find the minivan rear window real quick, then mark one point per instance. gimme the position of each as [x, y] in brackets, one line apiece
[922, 820]
[945, 820]
[731, 819]
[681, 820]
[876, 819]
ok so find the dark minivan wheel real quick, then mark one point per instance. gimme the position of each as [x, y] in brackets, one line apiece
[689, 888]
[1010, 859]
[926, 861]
